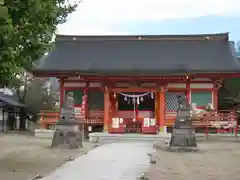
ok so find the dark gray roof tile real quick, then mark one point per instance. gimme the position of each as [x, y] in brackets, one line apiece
[9, 100]
[121, 57]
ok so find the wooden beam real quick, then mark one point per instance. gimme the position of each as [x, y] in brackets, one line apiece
[113, 82]
[74, 73]
[134, 78]
[132, 89]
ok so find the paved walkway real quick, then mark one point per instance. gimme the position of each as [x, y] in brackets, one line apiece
[116, 161]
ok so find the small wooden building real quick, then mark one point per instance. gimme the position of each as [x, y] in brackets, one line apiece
[117, 80]
[9, 112]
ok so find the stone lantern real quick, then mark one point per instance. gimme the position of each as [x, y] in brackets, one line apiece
[183, 135]
[67, 133]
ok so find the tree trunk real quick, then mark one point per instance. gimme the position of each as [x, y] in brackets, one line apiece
[22, 116]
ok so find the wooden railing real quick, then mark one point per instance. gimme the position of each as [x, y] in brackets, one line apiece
[48, 119]
[223, 121]
[220, 120]
[95, 117]
[170, 118]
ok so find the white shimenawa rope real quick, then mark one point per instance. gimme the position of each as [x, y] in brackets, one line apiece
[134, 95]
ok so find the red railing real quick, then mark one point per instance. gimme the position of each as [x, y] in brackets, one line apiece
[170, 118]
[95, 117]
[223, 121]
[220, 121]
[49, 118]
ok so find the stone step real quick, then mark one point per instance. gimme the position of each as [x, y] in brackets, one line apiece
[102, 137]
[43, 133]
[99, 137]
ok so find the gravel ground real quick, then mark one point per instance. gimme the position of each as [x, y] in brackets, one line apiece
[216, 159]
[24, 156]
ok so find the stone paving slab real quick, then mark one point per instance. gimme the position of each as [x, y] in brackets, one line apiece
[116, 161]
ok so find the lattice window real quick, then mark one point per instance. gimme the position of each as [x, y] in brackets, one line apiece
[201, 98]
[171, 100]
[96, 100]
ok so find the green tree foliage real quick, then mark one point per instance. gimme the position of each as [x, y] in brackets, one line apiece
[35, 93]
[37, 96]
[229, 94]
[27, 33]
[3, 10]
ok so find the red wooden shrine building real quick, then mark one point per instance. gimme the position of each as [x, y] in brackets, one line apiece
[116, 80]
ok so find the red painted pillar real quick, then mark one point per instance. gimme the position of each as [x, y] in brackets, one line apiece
[85, 99]
[188, 94]
[217, 85]
[62, 93]
[137, 111]
[215, 98]
[161, 111]
[113, 103]
[106, 108]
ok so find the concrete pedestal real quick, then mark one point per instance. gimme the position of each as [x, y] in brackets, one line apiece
[67, 135]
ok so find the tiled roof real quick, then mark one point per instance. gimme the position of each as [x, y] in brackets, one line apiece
[141, 55]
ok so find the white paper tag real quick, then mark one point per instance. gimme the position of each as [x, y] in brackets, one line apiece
[146, 122]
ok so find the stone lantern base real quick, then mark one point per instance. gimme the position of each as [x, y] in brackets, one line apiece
[68, 133]
[183, 135]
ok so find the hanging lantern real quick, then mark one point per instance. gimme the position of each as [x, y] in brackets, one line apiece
[125, 98]
[114, 95]
[141, 99]
[128, 101]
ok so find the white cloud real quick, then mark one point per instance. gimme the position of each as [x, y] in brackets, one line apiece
[101, 16]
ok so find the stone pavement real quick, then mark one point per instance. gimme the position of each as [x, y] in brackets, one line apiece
[116, 161]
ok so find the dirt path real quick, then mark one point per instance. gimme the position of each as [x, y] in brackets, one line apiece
[216, 160]
[22, 156]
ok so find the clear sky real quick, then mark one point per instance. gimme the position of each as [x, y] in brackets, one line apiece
[101, 17]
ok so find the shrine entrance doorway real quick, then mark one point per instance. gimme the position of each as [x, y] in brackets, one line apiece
[134, 112]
